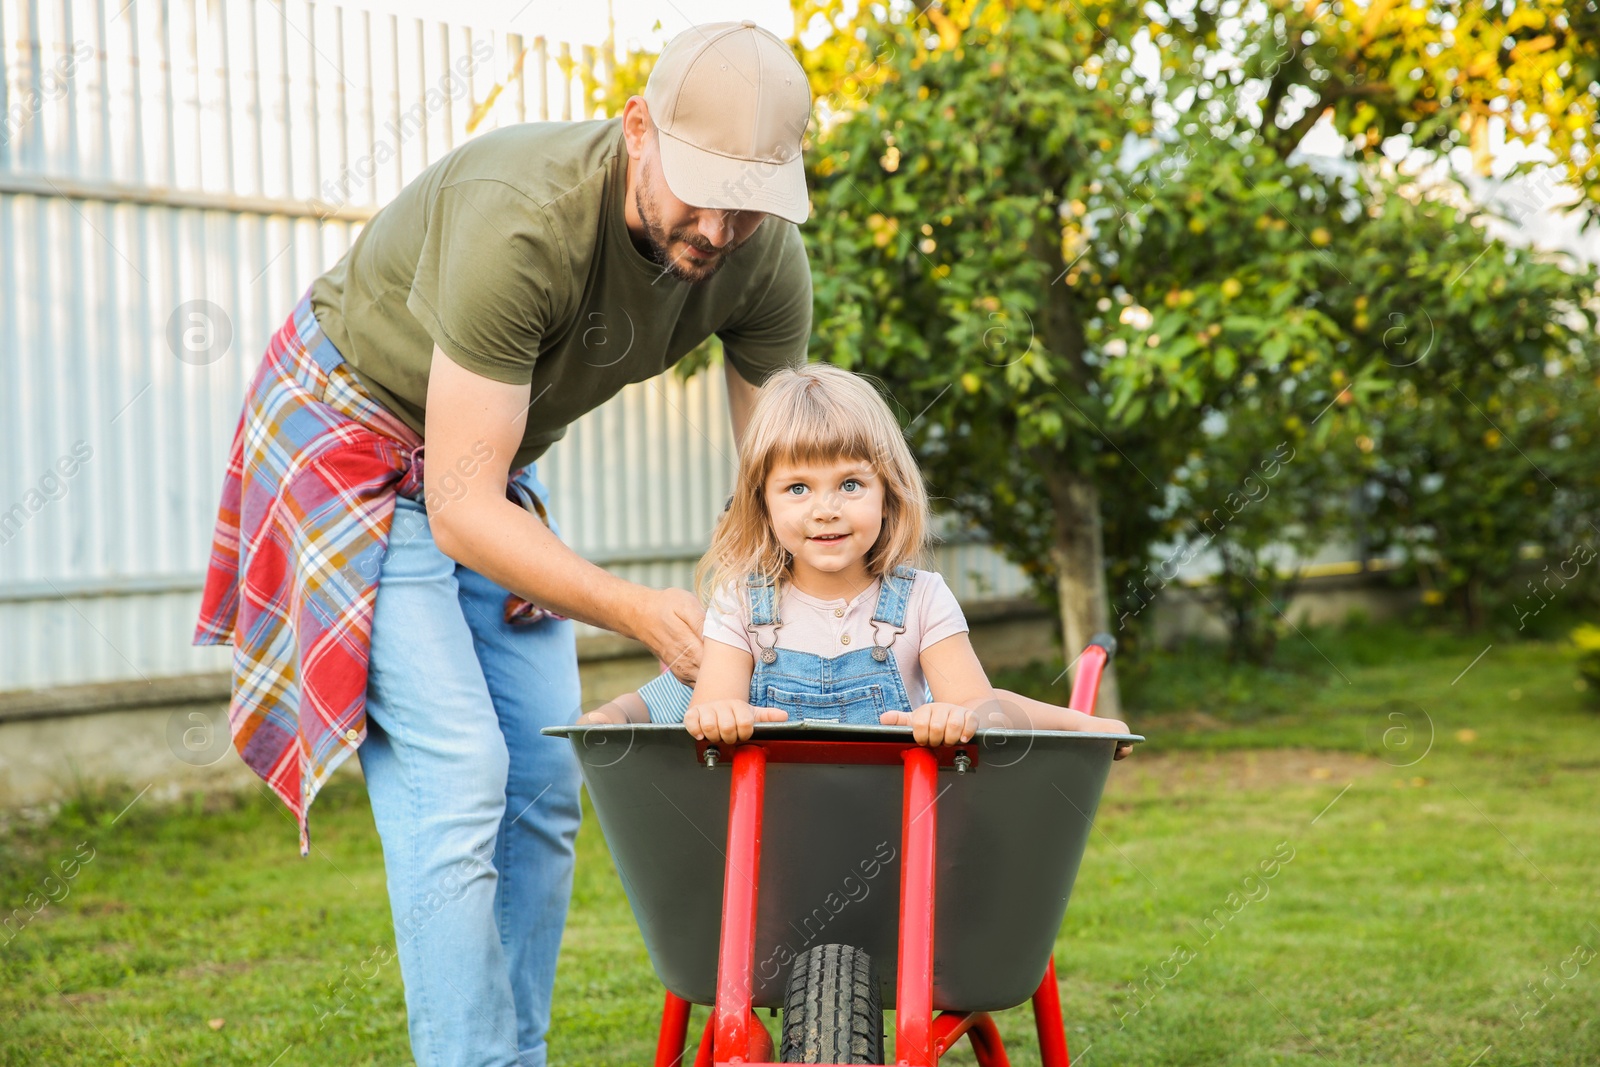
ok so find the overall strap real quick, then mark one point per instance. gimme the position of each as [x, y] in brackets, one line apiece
[763, 612]
[763, 604]
[893, 596]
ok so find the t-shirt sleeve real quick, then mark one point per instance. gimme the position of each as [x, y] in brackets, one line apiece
[725, 619]
[940, 612]
[773, 331]
[666, 698]
[490, 279]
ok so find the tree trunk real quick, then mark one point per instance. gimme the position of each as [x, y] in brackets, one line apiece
[1078, 552]
[1078, 548]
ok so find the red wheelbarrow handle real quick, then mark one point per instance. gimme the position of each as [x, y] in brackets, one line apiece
[1091, 665]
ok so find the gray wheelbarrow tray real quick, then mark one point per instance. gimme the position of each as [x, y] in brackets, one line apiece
[1011, 833]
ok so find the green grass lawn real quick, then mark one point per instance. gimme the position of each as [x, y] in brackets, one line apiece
[1434, 900]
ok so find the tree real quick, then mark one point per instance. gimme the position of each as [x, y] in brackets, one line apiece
[1439, 75]
[1491, 443]
[1066, 235]
[1062, 316]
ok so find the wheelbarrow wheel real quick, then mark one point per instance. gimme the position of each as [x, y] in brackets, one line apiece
[832, 1012]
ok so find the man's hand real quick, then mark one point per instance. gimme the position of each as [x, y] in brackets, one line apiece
[936, 724]
[669, 622]
[728, 721]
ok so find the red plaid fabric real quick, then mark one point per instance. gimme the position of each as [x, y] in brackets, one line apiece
[301, 530]
[301, 533]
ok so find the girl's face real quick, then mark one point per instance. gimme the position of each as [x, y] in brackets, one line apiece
[827, 514]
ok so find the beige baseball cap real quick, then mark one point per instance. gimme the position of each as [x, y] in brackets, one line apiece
[731, 103]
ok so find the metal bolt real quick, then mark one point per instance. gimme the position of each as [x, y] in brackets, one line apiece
[711, 757]
[963, 762]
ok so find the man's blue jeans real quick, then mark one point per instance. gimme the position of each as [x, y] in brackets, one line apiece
[477, 812]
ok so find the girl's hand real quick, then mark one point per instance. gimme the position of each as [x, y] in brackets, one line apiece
[936, 724]
[1114, 726]
[628, 707]
[728, 721]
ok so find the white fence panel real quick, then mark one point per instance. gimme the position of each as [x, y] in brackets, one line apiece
[170, 151]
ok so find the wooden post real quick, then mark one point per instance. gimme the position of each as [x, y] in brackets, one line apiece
[565, 64]
[541, 58]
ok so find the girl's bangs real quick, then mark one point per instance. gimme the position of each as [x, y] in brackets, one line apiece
[822, 433]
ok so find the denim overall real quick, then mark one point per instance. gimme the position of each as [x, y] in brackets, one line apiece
[855, 687]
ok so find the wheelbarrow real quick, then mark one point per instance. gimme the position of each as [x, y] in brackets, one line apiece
[838, 871]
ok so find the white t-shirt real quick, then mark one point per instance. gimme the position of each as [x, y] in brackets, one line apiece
[830, 628]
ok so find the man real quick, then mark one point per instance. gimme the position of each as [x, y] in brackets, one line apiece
[461, 325]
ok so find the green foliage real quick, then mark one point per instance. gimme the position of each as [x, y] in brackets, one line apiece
[1486, 438]
[1057, 264]
[1257, 510]
[1438, 75]
[1586, 639]
[628, 78]
[1464, 481]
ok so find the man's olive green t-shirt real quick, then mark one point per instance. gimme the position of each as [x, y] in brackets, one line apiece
[512, 254]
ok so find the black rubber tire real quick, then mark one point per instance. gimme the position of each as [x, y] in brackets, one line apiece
[832, 1012]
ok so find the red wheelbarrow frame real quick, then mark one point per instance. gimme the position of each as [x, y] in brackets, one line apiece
[733, 1034]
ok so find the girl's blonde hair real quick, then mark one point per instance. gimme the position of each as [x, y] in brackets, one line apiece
[816, 413]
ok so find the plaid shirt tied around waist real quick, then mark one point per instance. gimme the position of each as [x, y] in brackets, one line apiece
[301, 532]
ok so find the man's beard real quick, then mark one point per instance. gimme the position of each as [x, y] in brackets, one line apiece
[680, 266]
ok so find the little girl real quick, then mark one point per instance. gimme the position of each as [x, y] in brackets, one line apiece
[817, 611]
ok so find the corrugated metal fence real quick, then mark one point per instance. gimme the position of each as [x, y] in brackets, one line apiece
[145, 166]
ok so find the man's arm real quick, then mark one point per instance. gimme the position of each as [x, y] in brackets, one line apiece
[475, 424]
[773, 332]
[741, 400]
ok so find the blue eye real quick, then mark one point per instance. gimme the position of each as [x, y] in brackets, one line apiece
[850, 485]
[796, 489]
